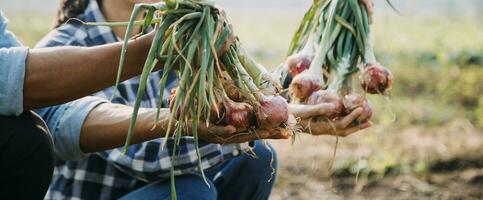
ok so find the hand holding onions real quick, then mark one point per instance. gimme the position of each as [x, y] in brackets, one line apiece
[318, 119]
[331, 46]
[221, 87]
[340, 127]
[228, 134]
[225, 96]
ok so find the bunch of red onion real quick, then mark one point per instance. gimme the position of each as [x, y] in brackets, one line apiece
[245, 95]
[258, 110]
[268, 112]
[333, 44]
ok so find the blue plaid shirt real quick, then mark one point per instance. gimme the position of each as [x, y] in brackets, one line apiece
[108, 175]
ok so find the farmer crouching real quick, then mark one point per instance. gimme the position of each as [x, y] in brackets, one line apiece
[143, 173]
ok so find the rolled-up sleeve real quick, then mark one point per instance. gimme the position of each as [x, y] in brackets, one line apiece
[12, 71]
[65, 123]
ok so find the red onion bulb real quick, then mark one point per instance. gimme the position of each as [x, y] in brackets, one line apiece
[238, 114]
[273, 112]
[298, 63]
[376, 79]
[304, 85]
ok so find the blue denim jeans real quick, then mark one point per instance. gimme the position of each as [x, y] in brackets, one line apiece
[243, 177]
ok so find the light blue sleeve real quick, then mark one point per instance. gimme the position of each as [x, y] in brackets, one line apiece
[12, 71]
[65, 124]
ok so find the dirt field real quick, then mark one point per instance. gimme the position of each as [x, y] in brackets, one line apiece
[446, 184]
[461, 184]
[447, 170]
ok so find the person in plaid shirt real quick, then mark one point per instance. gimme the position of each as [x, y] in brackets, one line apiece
[143, 173]
[108, 174]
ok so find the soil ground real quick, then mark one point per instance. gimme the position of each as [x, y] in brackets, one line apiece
[455, 171]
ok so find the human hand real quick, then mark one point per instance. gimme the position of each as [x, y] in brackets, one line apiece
[339, 127]
[308, 111]
[229, 135]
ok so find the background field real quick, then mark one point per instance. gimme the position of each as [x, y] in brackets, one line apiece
[428, 138]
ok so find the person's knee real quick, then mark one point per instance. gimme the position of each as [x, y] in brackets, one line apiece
[187, 187]
[264, 164]
[36, 139]
[37, 145]
[266, 155]
[44, 149]
[253, 176]
[194, 187]
[27, 154]
[42, 158]
[26, 139]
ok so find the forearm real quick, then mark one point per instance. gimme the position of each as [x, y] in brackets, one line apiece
[107, 125]
[62, 74]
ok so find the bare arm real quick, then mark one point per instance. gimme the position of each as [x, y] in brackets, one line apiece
[107, 125]
[61, 74]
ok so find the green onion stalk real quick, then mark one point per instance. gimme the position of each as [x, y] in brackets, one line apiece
[340, 31]
[219, 82]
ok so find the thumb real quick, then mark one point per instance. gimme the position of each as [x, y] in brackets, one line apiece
[326, 109]
[347, 120]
